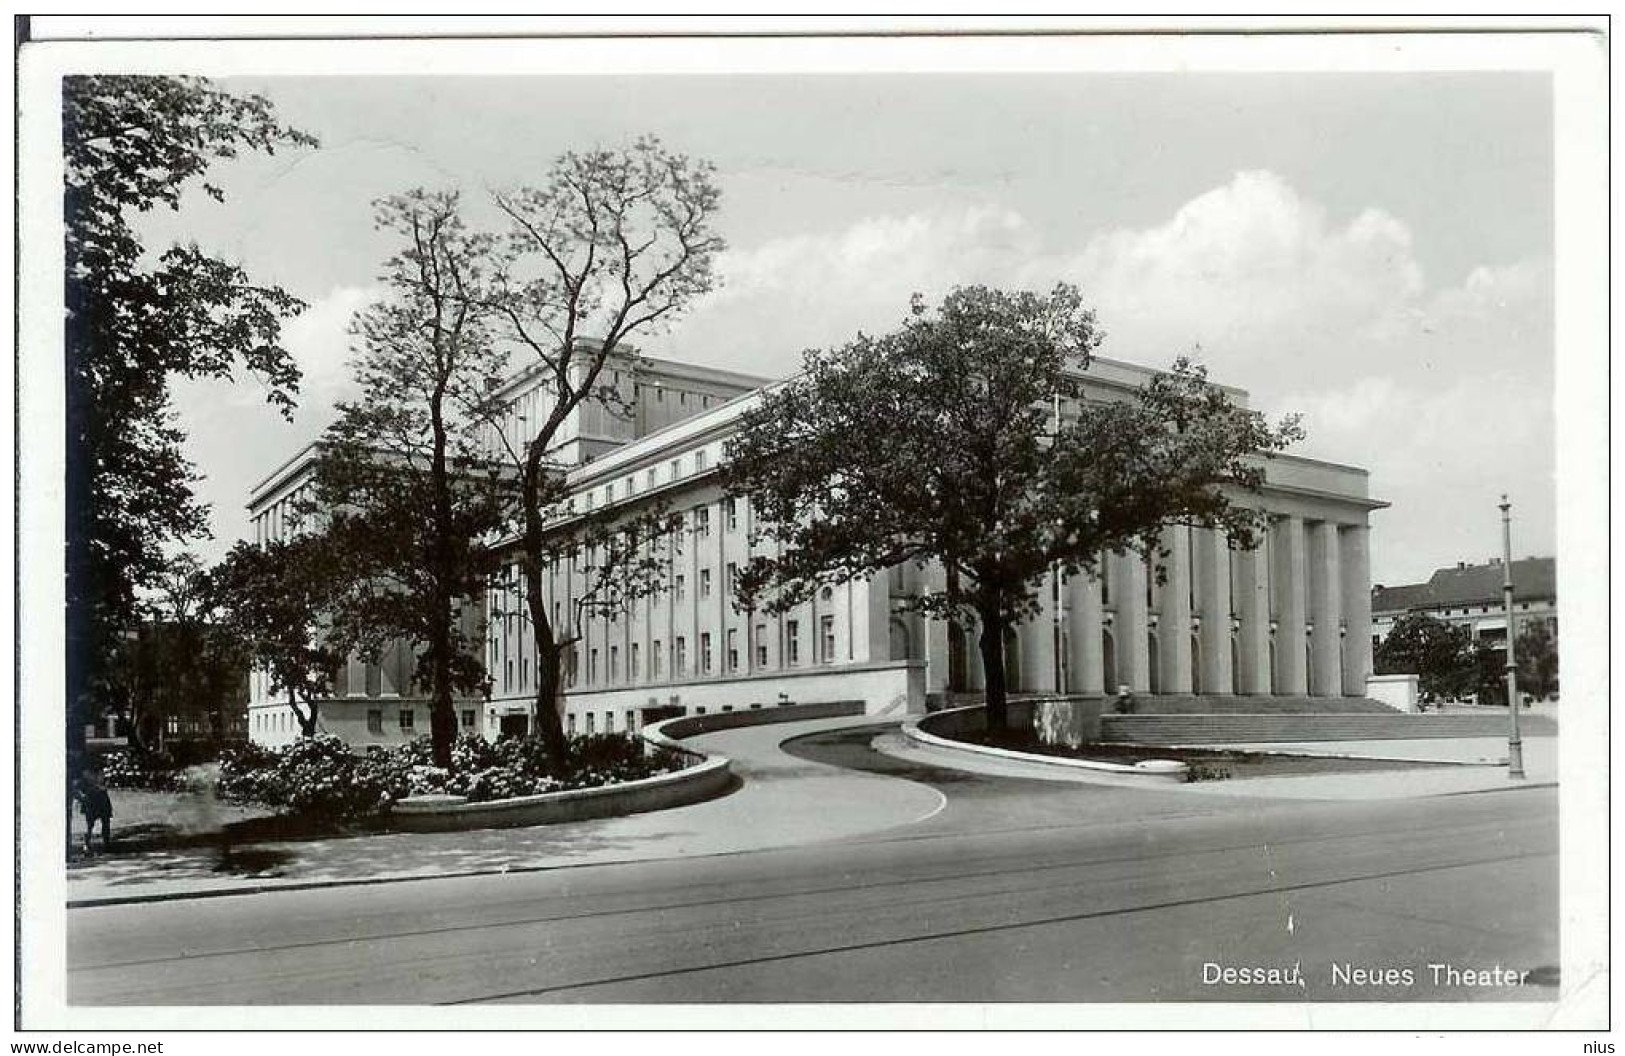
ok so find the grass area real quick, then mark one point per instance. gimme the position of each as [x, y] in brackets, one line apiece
[1207, 764]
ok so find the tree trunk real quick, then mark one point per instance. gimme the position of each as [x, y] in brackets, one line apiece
[306, 718]
[442, 714]
[991, 644]
[549, 671]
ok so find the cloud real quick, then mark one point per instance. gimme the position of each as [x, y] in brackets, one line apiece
[1443, 393]
[235, 443]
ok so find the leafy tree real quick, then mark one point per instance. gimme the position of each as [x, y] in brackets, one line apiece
[1537, 659]
[276, 600]
[1441, 654]
[408, 495]
[178, 662]
[941, 442]
[134, 321]
[614, 244]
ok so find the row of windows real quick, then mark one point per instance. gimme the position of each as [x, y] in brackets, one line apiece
[605, 664]
[627, 486]
[591, 722]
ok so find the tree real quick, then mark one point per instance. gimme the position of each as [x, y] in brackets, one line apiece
[1537, 659]
[613, 245]
[1441, 654]
[942, 442]
[408, 493]
[276, 600]
[133, 323]
[178, 662]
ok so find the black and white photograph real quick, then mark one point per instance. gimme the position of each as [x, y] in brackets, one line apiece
[1025, 525]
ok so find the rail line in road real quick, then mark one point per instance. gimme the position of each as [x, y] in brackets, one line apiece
[1040, 922]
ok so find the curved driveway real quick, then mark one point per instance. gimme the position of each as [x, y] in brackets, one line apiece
[781, 800]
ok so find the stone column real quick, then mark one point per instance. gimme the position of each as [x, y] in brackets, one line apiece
[1038, 642]
[1084, 662]
[1326, 598]
[937, 653]
[1213, 604]
[1174, 614]
[1128, 574]
[1252, 675]
[1354, 542]
[1287, 580]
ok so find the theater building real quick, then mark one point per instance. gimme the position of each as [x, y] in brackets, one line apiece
[1291, 618]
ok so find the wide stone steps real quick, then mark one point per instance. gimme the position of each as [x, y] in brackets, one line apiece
[1244, 729]
[1249, 705]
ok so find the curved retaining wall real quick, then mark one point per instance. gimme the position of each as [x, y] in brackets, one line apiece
[941, 731]
[704, 780]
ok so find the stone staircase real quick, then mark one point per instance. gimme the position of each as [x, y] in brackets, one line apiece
[1231, 728]
[1248, 705]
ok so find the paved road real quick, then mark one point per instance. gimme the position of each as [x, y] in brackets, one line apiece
[1018, 891]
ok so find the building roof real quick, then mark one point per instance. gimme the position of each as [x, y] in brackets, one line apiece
[1532, 578]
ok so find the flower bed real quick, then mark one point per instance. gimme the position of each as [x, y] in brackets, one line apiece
[319, 777]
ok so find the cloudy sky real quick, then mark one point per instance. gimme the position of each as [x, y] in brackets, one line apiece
[1372, 250]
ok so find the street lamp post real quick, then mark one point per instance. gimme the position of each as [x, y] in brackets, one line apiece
[1514, 739]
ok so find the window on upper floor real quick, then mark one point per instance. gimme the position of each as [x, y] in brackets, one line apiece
[733, 513]
[699, 460]
[705, 582]
[702, 521]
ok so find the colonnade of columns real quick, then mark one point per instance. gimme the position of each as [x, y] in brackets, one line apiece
[1289, 618]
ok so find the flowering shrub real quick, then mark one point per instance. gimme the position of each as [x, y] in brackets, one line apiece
[124, 768]
[318, 776]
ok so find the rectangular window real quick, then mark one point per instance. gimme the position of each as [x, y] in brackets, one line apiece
[632, 667]
[649, 479]
[592, 666]
[792, 643]
[679, 659]
[705, 582]
[733, 577]
[705, 653]
[571, 666]
[631, 721]
[609, 493]
[733, 649]
[468, 718]
[702, 521]
[609, 722]
[676, 468]
[733, 513]
[590, 728]
[679, 585]
[654, 658]
[571, 720]
[375, 720]
[761, 645]
[614, 663]
[699, 461]
[826, 631]
[408, 717]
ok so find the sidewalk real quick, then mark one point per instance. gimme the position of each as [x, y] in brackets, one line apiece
[781, 801]
[1486, 769]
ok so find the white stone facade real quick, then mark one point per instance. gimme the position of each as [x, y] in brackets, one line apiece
[1290, 618]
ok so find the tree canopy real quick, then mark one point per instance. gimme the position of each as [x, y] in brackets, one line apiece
[612, 245]
[405, 489]
[276, 601]
[1441, 654]
[135, 320]
[943, 442]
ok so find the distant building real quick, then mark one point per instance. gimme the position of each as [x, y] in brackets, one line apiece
[1470, 596]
